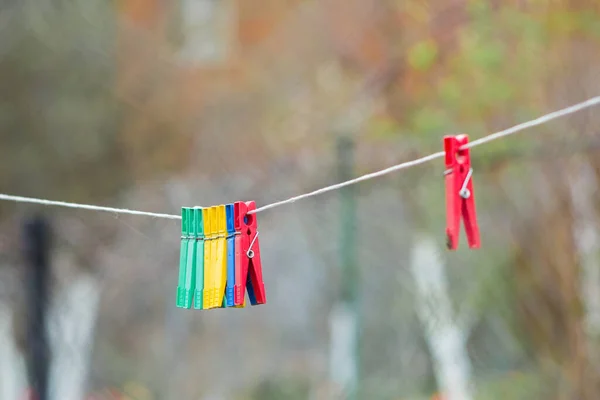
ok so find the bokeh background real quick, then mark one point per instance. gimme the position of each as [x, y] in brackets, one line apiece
[158, 104]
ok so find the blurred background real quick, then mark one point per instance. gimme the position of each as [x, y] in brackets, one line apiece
[157, 104]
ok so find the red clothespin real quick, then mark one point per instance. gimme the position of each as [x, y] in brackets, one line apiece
[460, 199]
[248, 266]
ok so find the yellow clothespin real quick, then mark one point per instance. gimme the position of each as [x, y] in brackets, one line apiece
[221, 266]
[214, 256]
[208, 266]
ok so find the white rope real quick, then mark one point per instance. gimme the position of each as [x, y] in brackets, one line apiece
[20, 199]
[518, 128]
[538, 121]
[337, 186]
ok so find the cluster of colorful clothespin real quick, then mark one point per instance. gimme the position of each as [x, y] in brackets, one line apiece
[220, 257]
[460, 199]
[220, 252]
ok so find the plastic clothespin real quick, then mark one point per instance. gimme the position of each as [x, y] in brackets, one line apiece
[220, 259]
[229, 290]
[248, 262]
[207, 214]
[199, 265]
[239, 292]
[460, 199]
[180, 302]
[190, 270]
[215, 267]
[187, 258]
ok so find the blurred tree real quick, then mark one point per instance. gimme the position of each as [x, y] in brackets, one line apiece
[481, 65]
[37, 252]
[72, 124]
[59, 116]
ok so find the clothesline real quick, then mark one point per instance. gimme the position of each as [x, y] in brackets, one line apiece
[486, 139]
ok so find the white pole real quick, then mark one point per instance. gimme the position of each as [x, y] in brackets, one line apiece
[586, 234]
[71, 331]
[445, 338]
[13, 379]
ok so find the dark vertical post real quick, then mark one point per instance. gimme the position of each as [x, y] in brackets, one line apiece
[37, 244]
[348, 301]
[348, 221]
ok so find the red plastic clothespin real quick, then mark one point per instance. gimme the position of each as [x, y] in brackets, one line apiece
[460, 199]
[248, 266]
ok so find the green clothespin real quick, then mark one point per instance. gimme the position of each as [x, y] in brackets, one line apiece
[190, 270]
[183, 253]
[199, 262]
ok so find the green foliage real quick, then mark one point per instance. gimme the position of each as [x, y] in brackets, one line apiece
[383, 128]
[478, 8]
[497, 73]
[428, 120]
[449, 90]
[514, 386]
[563, 23]
[423, 55]
[589, 23]
[274, 389]
[481, 53]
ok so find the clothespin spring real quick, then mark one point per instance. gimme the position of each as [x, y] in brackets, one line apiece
[250, 252]
[464, 192]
